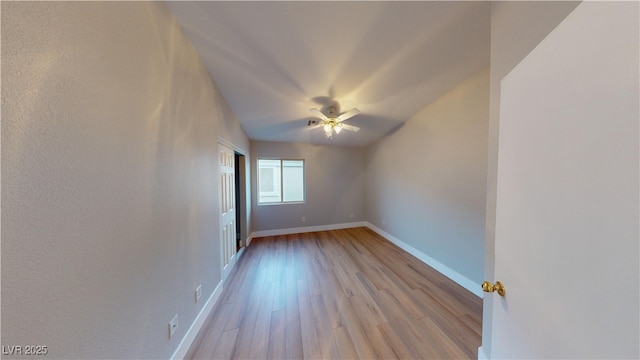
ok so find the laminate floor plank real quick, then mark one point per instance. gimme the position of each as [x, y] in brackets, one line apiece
[309, 334]
[225, 348]
[244, 270]
[313, 271]
[400, 348]
[334, 297]
[279, 293]
[328, 346]
[204, 346]
[472, 323]
[452, 326]
[293, 336]
[244, 310]
[403, 293]
[345, 344]
[338, 294]
[248, 323]
[371, 331]
[260, 338]
[412, 331]
[353, 325]
[277, 336]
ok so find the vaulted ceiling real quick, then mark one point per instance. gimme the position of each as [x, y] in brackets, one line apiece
[273, 61]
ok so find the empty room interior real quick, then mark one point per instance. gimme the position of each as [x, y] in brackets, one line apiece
[320, 179]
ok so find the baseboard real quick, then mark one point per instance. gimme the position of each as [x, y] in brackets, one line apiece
[248, 241]
[440, 267]
[193, 331]
[481, 354]
[306, 229]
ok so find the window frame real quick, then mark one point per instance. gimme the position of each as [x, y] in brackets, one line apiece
[281, 184]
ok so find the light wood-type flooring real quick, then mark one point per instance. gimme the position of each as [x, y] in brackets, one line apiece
[341, 294]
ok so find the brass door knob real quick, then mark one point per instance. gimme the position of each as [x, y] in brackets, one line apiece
[497, 287]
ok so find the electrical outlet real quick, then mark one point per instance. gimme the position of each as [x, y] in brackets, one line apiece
[173, 326]
[304, 219]
[384, 222]
[198, 292]
[351, 215]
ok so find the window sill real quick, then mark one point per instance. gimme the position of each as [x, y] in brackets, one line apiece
[282, 203]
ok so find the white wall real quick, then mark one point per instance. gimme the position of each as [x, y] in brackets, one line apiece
[109, 178]
[426, 181]
[516, 28]
[334, 186]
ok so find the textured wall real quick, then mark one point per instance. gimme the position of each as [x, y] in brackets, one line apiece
[426, 181]
[334, 186]
[109, 178]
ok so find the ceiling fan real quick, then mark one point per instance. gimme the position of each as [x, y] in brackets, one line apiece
[333, 122]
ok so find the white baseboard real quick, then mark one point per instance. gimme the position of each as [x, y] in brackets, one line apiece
[248, 241]
[481, 354]
[193, 331]
[440, 267]
[306, 229]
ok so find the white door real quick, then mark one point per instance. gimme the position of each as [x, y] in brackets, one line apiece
[227, 208]
[567, 218]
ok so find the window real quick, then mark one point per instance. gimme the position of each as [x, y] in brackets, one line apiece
[280, 181]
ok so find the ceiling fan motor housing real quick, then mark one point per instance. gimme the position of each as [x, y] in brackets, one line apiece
[332, 112]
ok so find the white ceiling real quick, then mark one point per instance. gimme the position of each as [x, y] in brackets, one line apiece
[273, 61]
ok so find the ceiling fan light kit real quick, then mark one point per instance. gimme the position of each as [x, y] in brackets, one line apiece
[332, 123]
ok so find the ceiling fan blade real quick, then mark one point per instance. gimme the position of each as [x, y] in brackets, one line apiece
[350, 127]
[319, 114]
[348, 114]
